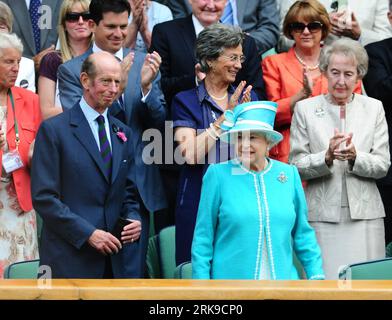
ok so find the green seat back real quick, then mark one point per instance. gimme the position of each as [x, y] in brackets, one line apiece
[152, 259]
[183, 271]
[369, 270]
[388, 250]
[22, 270]
[167, 247]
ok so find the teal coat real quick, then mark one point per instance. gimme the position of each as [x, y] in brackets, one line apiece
[239, 211]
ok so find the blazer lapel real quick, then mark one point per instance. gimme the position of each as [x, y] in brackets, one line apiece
[117, 148]
[292, 67]
[22, 15]
[241, 5]
[189, 36]
[82, 131]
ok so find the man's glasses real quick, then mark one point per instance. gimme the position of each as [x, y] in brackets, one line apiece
[75, 16]
[235, 58]
[299, 27]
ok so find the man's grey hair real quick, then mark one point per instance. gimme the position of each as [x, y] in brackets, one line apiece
[213, 40]
[89, 67]
[10, 41]
[349, 48]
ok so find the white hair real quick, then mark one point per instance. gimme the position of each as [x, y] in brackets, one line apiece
[10, 40]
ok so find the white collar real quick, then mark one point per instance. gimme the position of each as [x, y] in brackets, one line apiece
[119, 54]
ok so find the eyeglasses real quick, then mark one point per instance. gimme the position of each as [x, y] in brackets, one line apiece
[299, 27]
[235, 58]
[75, 16]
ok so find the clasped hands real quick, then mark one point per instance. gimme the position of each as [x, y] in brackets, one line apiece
[108, 244]
[341, 148]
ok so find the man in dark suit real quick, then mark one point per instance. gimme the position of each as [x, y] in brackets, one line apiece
[48, 13]
[258, 18]
[378, 84]
[82, 176]
[141, 105]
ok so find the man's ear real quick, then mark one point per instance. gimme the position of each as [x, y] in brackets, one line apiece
[85, 80]
[92, 25]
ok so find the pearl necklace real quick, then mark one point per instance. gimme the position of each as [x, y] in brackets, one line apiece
[218, 98]
[304, 64]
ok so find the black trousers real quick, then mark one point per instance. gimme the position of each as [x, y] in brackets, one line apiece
[386, 195]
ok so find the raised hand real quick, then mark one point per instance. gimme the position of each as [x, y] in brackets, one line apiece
[236, 95]
[246, 95]
[126, 65]
[150, 70]
[334, 145]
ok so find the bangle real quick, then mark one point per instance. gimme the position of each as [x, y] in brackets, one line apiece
[211, 135]
[212, 126]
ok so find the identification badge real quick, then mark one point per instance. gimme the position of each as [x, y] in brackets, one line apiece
[12, 161]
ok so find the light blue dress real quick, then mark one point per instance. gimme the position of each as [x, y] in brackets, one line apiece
[243, 214]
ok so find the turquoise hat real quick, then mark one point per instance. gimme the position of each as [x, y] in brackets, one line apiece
[255, 116]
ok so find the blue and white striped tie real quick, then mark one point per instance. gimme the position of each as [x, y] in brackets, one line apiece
[227, 16]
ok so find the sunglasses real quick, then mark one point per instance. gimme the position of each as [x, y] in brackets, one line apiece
[299, 27]
[75, 16]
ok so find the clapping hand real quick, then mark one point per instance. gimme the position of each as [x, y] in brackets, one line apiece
[150, 70]
[336, 151]
[233, 102]
[346, 151]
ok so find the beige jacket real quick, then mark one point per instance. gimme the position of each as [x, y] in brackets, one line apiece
[312, 127]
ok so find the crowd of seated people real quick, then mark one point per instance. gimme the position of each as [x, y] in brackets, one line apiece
[262, 122]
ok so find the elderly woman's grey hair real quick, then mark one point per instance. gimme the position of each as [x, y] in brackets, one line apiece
[6, 16]
[10, 40]
[213, 40]
[349, 48]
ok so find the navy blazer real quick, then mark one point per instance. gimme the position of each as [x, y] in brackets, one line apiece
[137, 115]
[175, 42]
[74, 196]
[378, 84]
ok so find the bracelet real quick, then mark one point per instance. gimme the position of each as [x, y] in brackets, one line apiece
[211, 135]
[214, 130]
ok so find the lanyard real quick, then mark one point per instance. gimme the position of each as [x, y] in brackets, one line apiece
[17, 139]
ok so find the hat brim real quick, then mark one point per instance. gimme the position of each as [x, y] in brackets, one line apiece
[272, 136]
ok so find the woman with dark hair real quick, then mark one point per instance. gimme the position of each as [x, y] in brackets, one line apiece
[197, 116]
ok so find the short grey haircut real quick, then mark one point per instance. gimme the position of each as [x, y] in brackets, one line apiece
[213, 40]
[10, 40]
[349, 48]
[6, 16]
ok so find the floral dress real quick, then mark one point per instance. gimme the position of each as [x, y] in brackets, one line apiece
[18, 229]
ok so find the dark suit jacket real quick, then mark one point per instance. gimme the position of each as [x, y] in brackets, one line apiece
[22, 24]
[378, 84]
[175, 41]
[138, 116]
[74, 197]
[259, 18]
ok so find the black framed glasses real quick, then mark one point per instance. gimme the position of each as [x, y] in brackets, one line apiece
[75, 16]
[299, 27]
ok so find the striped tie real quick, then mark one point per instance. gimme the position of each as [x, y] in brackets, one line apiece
[106, 153]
